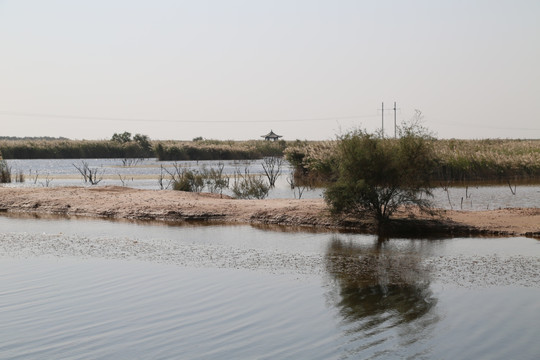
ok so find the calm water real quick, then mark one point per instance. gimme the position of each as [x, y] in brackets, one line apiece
[142, 174]
[145, 174]
[80, 289]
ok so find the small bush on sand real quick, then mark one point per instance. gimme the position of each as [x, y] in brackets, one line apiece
[247, 186]
[188, 180]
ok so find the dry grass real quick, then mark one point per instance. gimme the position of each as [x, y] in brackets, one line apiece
[466, 160]
[456, 160]
[69, 149]
[218, 150]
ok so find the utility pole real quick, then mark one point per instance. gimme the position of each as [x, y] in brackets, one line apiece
[395, 123]
[382, 116]
[395, 119]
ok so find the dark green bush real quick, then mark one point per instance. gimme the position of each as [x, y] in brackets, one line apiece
[375, 176]
[188, 180]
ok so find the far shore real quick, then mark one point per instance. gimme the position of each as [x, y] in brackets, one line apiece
[128, 203]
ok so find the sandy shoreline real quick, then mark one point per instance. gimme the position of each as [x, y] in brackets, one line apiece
[129, 203]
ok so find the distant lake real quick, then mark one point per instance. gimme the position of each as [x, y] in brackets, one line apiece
[144, 174]
[97, 289]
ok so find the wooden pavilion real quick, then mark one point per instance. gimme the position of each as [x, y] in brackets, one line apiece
[271, 136]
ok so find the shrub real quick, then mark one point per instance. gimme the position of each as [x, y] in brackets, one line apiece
[188, 180]
[375, 176]
[214, 179]
[247, 186]
[5, 172]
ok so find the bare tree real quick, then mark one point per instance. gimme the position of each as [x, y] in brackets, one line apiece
[47, 181]
[162, 177]
[272, 168]
[445, 188]
[124, 179]
[128, 162]
[510, 186]
[34, 178]
[91, 175]
[296, 187]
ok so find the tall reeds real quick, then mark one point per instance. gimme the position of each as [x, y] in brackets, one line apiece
[71, 149]
[5, 171]
[163, 150]
[455, 160]
[218, 150]
[474, 160]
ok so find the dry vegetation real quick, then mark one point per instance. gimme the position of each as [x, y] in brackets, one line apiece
[456, 160]
[218, 150]
[466, 160]
[163, 150]
[70, 149]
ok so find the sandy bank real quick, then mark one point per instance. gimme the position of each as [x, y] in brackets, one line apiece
[128, 203]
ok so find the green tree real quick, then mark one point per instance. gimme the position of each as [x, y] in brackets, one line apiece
[375, 176]
[143, 141]
[123, 138]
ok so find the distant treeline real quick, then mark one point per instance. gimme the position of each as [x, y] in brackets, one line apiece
[32, 138]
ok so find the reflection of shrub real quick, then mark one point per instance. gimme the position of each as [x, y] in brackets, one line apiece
[247, 186]
[374, 281]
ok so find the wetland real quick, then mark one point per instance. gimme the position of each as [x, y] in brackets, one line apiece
[242, 286]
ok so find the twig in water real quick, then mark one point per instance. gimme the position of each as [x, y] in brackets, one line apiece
[510, 186]
[445, 188]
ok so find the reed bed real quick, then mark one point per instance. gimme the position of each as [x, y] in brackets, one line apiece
[476, 160]
[455, 160]
[71, 149]
[218, 150]
[5, 171]
[163, 150]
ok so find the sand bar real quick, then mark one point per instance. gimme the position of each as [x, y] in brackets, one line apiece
[166, 205]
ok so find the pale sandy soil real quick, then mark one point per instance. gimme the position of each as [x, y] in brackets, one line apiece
[128, 203]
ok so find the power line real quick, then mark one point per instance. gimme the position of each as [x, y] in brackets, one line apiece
[101, 118]
[458, 124]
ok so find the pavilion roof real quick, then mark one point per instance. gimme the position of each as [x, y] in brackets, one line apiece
[271, 134]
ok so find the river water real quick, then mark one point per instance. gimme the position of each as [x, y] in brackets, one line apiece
[97, 289]
[144, 174]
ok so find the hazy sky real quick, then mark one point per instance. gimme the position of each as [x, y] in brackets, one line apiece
[234, 69]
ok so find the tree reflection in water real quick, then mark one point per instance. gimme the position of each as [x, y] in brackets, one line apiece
[380, 291]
